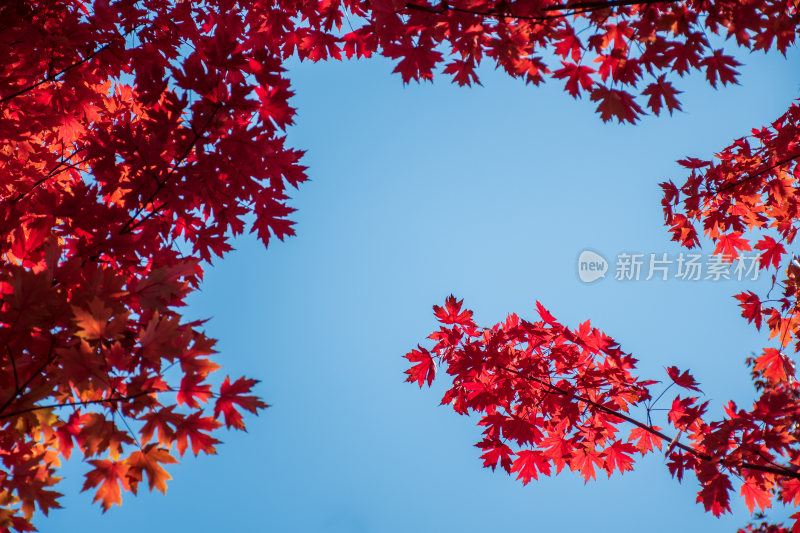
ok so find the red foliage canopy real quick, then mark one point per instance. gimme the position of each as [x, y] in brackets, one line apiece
[560, 395]
[128, 128]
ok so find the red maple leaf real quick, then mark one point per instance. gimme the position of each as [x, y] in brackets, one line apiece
[616, 104]
[233, 394]
[577, 76]
[318, 45]
[618, 456]
[772, 252]
[754, 494]
[196, 428]
[463, 72]
[425, 369]
[529, 463]
[498, 452]
[569, 45]
[729, 244]
[584, 459]
[716, 486]
[684, 380]
[192, 389]
[720, 66]
[451, 312]
[645, 440]
[662, 93]
[751, 307]
[774, 364]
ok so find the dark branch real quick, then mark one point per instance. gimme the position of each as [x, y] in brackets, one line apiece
[112, 401]
[757, 174]
[569, 9]
[19, 390]
[55, 75]
[132, 222]
[786, 472]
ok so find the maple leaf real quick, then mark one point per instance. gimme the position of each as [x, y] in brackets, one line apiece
[417, 63]
[529, 463]
[684, 380]
[358, 43]
[645, 440]
[618, 455]
[425, 369]
[575, 75]
[771, 252]
[662, 93]
[716, 485]
[192, 390]
[195, 428]
[720, 66]
[98, 322]
[233, 394]
[318, 45]
[729, 244]
[616, 104]
[751, 307]
[463, 72]
[98, 434]
[569, 44]
[773, 364]
[67, 432]
[754, 495]
[35, 495]
[684, 412]
[451, 312]
[693, 163]
[149, 460]
[790, 492]
[584, 459]
[498, 452]
[545, 314]
[163, 421]
[271, 220]
[112, 476]
[70, 129]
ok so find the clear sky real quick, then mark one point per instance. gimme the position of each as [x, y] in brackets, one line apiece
[416, 192]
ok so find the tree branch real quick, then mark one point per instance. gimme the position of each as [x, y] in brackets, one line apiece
[757, 174]
[571, 9]
[55, 75]
[18, 390]
[75, 404]
[781, 471]
[112, 400]
[132, 222]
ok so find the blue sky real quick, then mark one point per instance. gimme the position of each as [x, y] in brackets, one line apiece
[416, 192]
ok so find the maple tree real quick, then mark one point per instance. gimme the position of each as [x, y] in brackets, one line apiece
[552, 397]
[132, 129]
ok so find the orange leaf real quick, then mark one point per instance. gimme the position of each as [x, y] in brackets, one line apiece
[148, 461]
[111, 476]
[773, 364]
[755, 495]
